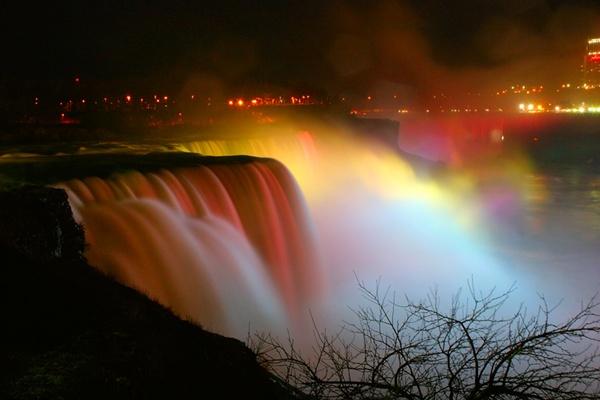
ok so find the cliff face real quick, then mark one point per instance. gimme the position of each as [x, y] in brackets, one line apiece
[72, 333]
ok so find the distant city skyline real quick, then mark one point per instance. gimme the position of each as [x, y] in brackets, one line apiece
[346, 47]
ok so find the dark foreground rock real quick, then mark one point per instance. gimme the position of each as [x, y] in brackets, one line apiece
[37, 222]
[71, 333]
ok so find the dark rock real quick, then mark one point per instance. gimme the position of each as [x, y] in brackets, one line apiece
[72, 333]
[37, 222]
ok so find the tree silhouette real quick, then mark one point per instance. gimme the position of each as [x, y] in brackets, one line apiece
[468, 350]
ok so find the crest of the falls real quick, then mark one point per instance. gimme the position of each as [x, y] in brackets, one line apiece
[227, 245]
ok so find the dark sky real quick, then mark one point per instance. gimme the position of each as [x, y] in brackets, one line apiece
[334, 45]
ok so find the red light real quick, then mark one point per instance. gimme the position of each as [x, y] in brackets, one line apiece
[594, 58]
[128, 98]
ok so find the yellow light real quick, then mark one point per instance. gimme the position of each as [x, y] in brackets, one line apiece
[522, 107]
[581, 109]
[530, 107]
[230, 102]
[540, 107]
[240, 102]
[254, 101]
[557, 108]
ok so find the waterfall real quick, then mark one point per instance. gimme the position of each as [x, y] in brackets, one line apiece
[227, 245]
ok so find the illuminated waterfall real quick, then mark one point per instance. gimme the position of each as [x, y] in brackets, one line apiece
[225, 245]
[168, 232]
[376, 218]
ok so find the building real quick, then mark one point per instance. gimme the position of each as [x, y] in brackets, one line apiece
[591, 64]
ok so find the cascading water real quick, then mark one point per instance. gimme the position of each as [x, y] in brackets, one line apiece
[167, 233]
[226, 245]
[378, 220]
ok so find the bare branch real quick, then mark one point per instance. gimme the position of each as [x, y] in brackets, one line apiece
[469, 351]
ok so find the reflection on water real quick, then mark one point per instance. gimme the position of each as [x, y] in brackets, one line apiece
[558, 242]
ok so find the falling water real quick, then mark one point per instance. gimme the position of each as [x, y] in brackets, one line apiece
[225, 245]
[378, 219]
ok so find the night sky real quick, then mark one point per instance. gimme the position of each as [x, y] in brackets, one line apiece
[334, 46]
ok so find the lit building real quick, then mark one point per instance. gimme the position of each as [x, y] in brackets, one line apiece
[591, 64]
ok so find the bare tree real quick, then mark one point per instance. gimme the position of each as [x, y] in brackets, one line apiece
[467, 350]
